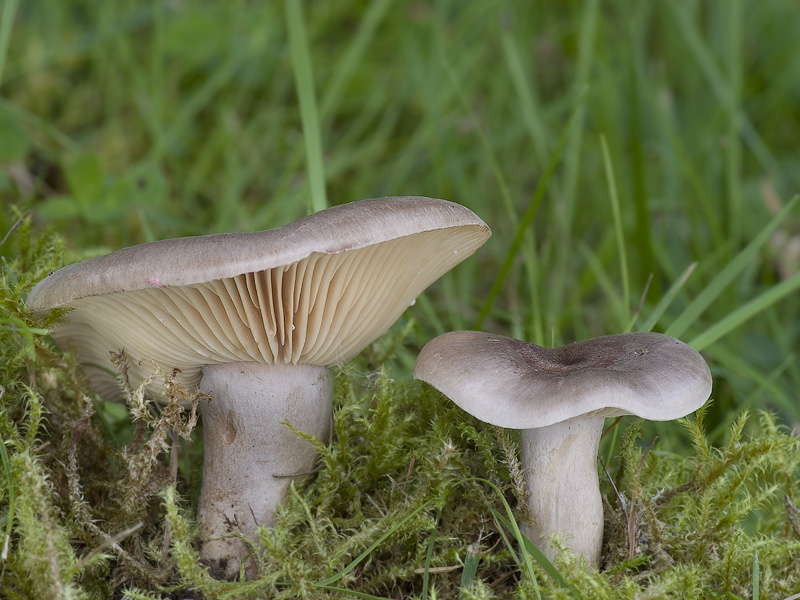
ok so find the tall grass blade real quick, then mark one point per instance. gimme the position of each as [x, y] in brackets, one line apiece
[486, 146]
[756, 577]
[569, 184]
[7, 23]
[734, 363]
[544, 562]
[11, 501]
[745, 312]
[618, 231]
[193, 105]
[703, 203]
[333, 588]
[733, 150]
[304, 80]
[720, 87]
[527, 104]
[586, 57]
[643, 238]
[428, 556]
[667, 299]
[526, 555]
[501, 528]
[346, 67]
[726, 276]
[334, 578]
[529, 110]
[470, 570]
[604, 282]
[527, 218]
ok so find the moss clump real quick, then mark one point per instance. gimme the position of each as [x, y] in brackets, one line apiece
[696, 523]
[409, 501]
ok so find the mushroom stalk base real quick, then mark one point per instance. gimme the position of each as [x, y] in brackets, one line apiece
[564, 499]
[250, 459]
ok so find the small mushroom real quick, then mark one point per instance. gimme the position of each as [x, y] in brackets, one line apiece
[256, 319]
[559, 399]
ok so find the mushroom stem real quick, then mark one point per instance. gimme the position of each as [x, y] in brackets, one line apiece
[249, 455]
[560, 463]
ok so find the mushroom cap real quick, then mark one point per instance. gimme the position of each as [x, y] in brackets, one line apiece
[315, 291]
[519, 385]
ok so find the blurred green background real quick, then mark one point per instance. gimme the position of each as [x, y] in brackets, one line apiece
[610, 146]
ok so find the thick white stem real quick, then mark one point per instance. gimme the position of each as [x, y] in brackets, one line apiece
[249, 456]
[560, 463]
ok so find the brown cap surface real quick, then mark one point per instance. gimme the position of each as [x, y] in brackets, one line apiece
[515, 384]
[315, 291]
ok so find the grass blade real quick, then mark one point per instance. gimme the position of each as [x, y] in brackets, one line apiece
[428, 556]
[514, 528]
[501, 528]
[719, 86]
[733, 151]
[742, 369]
[528, 107]
[544, 562]
[756, 586]
[368, 551]
[746, 311]
[604, 281]
[618, 231]
[726, 276]
[304, 80]
[643, 237]
[192, 106]
[667, 299]
[486, 146]
[9, 14]
[583, 69]
[523, 225]
[11, 499]
[333, 588]
[344, 70]
[470, 570]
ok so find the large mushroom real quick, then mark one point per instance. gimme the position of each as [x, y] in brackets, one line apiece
[256, 320]
[559, 399]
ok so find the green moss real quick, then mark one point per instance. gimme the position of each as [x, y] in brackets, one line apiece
[406, 492]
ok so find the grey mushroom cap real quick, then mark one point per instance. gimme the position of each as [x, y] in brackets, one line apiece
[315, 291]
[519, 385]
[199, 259]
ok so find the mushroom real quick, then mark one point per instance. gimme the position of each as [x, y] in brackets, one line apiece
[559, 399]
[256, 319]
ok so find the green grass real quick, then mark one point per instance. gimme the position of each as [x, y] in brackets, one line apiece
[637, 163]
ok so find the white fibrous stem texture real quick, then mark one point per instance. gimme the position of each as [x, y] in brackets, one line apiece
[250, 456]
[560, 463]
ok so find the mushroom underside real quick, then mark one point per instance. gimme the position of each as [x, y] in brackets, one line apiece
[321, 311]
